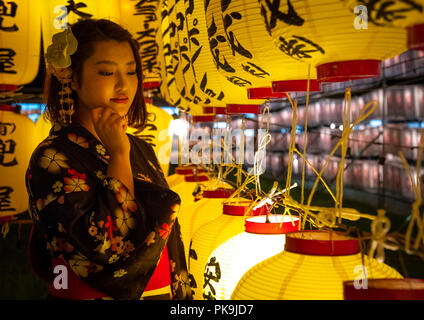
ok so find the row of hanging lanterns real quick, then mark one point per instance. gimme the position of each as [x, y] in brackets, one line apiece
[211, 53]
[231, 55]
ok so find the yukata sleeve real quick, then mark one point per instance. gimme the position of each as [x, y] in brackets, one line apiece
[96, 226]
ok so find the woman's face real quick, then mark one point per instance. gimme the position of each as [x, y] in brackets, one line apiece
[108, 78]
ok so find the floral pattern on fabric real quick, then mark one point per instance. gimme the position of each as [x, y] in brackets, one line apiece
[109, 238]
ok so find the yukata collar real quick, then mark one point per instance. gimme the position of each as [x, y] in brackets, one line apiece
[79, 135]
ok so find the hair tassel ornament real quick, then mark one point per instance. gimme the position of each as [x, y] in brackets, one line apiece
[58, 58]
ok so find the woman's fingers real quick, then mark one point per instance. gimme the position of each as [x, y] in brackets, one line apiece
[111, 128]
[106, 117]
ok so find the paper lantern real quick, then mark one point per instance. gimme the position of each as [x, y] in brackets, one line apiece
[208, 208]
[210, 235]
[204, 84]
[313, 265]
[174, 179]
[186, 192]
[142, 19]
[56, 15]
[172, 87]
[245, 43]
[157, 134]
[17, 143]
[42, 128]
[20, 40]
[407, 14]
[260, 241]
[324, 35]
[385, 289]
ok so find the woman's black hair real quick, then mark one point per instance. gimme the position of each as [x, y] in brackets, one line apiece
[87, 32]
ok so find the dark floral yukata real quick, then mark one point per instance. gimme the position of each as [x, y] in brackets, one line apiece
[109, 239]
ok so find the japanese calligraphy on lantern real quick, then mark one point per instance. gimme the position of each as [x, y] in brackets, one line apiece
[230, 53]
[59, 14]
[5, 199]
[172, 90]
[195, 87]
[8, 9]
[298, 47]
[7, 64]
[391, 12]
[211, 277]
[295, 46]
[7, 153]
[17, 142]
[19, 53]
[142, 19]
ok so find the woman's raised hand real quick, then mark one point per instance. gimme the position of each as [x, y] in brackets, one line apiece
[111, 129]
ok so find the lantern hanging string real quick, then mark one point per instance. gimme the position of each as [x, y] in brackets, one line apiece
[415, 213]
[305, 137]
[363, 114]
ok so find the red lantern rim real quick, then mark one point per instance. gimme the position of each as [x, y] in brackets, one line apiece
[340, 71]
[416, 37]
[296, 86]
[6, 219]
[218, 193]
[386, 289]
[321, 243]
[258, 224]
[6, 107]
[240, 208]
[195, 178]
[264, 93]
[203, 118]
[151, 84]
[244, 108]
[188, 170]
[8, 87]
[215, 110]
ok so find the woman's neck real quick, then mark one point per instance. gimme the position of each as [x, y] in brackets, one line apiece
[85, 119]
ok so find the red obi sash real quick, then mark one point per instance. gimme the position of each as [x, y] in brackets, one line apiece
[80, 290]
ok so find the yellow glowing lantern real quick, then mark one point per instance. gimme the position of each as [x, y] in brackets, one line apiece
[179, 185]
[407, 14]
[186, 191]
[247, 46]
[385, 289]
[172, 85]
[157, 134]
[210, 235]
[142, 19]
[20, 39]
[263, 238]
[313, 265]
[17, 143]
[325, 35]
[42, 128]
[59, 14]
[199, 65]
[203, 210]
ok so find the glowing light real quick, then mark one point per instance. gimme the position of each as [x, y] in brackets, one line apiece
[313, 266]
[210, 235]
[375, 123]
[238, 254]
[179, 127]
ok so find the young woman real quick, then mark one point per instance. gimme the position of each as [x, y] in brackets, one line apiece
[98, 198]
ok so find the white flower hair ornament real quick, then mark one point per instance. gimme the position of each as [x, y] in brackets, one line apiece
[58, 58]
